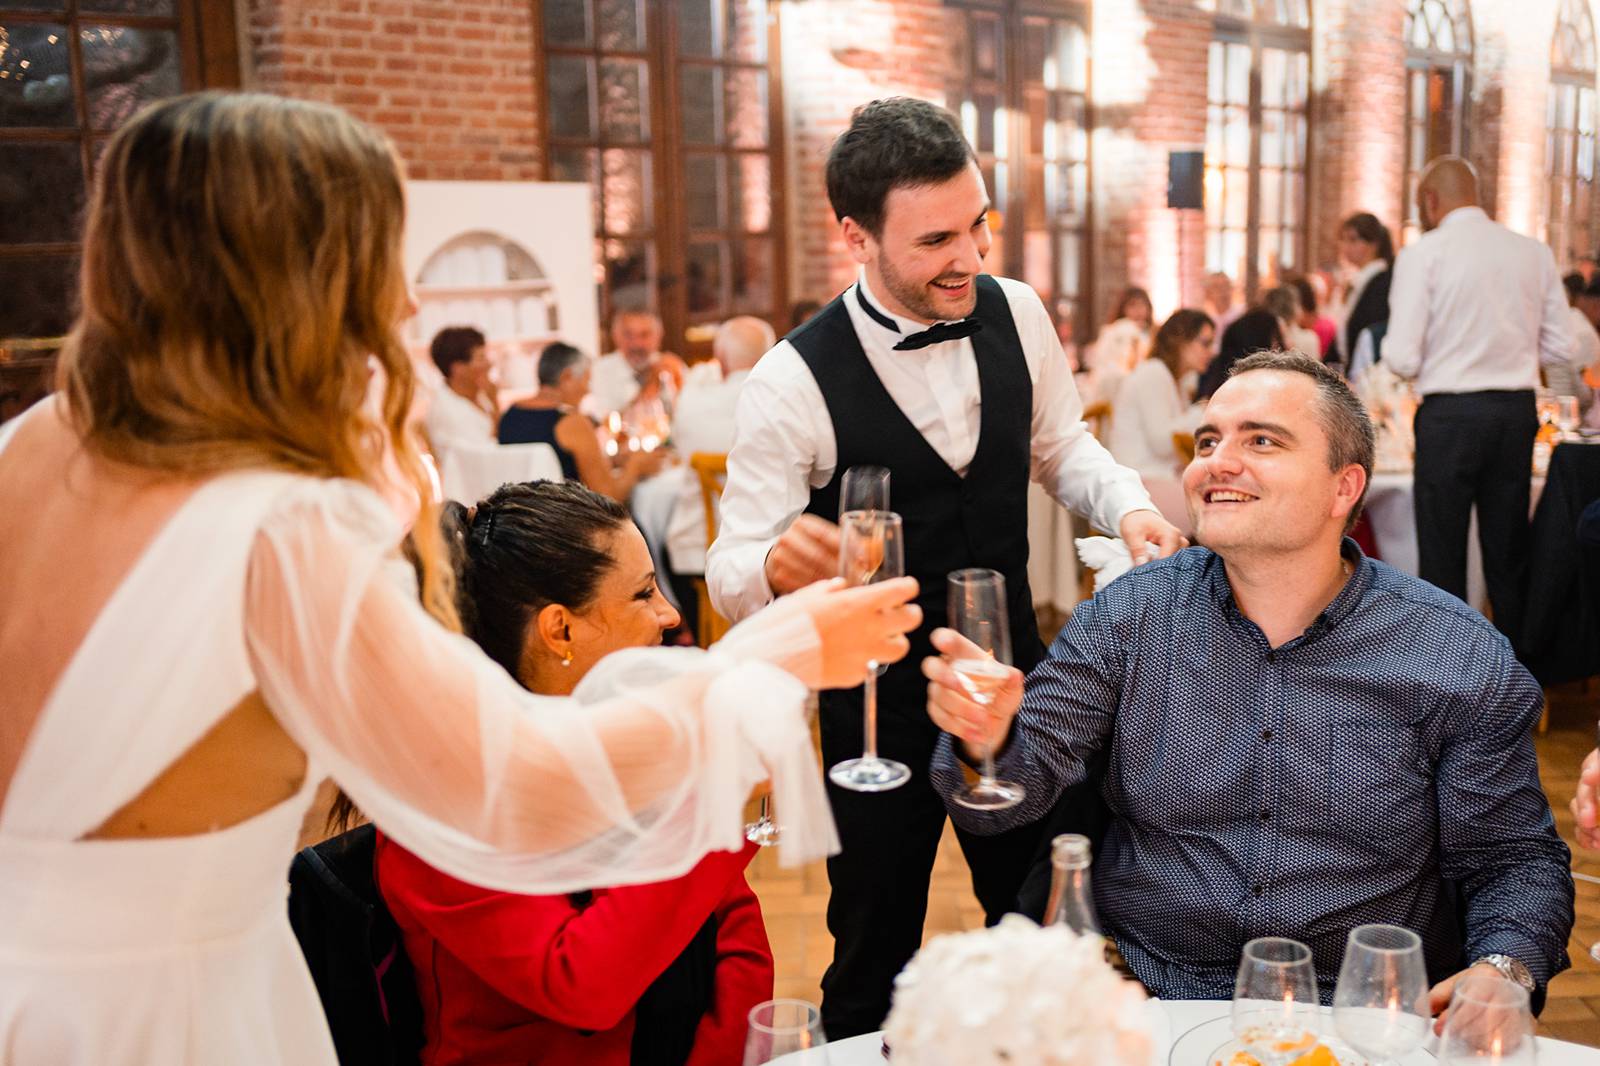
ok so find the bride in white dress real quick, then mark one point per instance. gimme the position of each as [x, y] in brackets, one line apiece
[201, 620]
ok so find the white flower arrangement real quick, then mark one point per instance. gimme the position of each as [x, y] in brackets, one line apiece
[1016, 995]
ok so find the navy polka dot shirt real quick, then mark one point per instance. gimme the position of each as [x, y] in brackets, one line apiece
[1377, 768]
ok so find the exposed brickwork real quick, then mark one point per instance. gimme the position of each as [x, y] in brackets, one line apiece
[452, 82]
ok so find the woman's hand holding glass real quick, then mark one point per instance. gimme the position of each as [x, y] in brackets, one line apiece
[855, 626]
[978, 726]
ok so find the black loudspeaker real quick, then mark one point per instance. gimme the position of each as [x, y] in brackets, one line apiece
[1186, 180]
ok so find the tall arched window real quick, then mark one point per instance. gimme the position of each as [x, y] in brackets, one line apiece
[1438, 78]
[1569, 136]
[1256, 139]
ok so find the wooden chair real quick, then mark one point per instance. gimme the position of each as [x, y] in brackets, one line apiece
[712, 470]
[1098, 416]
[1183, 444]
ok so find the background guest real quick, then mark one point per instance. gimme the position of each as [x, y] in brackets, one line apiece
[802, 311]
[550, 416]
[1254, 331]
[1326, 329]
[552, 578]
[1122, 343]
[465, 409]
[1570, 379]
[1368, 250]
[1219, 299]
[1151, 406]
[637, 370]
[704, 422]
[1284, 301]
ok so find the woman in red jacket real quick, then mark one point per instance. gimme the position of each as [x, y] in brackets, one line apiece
[551, 578]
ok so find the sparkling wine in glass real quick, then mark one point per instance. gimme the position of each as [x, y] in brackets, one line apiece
[1275, 1009]
[1489, 1023]
[977, 609]
[871, 549]
[782, 1027]
[1380, 1007]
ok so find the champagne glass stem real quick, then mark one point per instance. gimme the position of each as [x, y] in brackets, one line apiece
[986, 771]
[870, 709]
[766, 813]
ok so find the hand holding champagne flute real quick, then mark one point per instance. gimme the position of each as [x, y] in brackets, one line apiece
[871, 549]
[978, 610]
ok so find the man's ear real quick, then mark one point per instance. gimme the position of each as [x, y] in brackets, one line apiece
[1352, 482]
[861, 245]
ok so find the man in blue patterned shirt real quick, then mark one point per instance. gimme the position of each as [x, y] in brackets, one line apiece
[1297, 739]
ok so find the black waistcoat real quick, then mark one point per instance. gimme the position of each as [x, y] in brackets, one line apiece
[951, 522]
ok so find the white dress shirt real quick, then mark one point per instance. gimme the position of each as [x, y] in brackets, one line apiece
[704, 422]
[784, 446]
[454, 419]
[1474, 307]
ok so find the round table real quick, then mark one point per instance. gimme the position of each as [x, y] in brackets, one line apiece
[1182, 1017]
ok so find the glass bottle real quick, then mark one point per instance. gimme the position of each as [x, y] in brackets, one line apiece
[1071, 902]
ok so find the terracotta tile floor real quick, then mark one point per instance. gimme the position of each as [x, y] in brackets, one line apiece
[794, 901]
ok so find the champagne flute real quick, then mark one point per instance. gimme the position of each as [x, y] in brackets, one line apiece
[864, 488]
[871, 549]
[978, 611]
[1489, 1022]
[1275, 1010]
[1381, 1004]
[781, 1027]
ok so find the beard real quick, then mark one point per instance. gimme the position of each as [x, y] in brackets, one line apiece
[916, 298]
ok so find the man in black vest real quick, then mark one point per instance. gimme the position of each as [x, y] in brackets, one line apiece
[956, 382]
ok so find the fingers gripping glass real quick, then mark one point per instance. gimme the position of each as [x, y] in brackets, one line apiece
[871, 549]
[978, 611]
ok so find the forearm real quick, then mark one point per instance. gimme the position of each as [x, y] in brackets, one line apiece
[1522, 906]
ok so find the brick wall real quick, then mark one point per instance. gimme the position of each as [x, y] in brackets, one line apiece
[452, 82]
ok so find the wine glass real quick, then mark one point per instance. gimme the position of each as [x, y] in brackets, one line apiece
[1381, 1004]
[781, 1027]
[871, 549]
[1275, 1009]
[864, 488]
[978, 611]
[1489, 1022]
[764, 831]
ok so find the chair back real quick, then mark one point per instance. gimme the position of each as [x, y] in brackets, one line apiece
[1098, 416]
[1183, 444]
[712, 470]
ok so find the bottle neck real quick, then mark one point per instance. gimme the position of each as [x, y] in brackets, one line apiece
[1071, 901]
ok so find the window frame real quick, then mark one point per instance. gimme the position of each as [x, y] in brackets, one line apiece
[1457, 64]
[1567, 142]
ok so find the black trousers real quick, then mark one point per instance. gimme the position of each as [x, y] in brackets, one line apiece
[879, 879]
[1476, 448]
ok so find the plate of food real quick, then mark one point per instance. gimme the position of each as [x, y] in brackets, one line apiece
[1212, 1043]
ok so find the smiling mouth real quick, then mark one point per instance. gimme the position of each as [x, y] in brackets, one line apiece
[951, 286]
[1226, 496]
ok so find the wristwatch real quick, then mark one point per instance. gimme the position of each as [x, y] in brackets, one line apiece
[1511, 969]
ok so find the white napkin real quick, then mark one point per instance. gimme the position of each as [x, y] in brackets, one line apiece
[1106, 556]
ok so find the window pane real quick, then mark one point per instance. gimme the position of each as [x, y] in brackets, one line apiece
[752, 282]
[747, 31]
[579, 164]
[1034, 200]
[1274, 78]
[35, 79]
[747, 108]
[627, 189]
[41, 192]
[1068, 259]
[987, 105]
[1236, 209]
[697, 28]
[985, 46]
[624, 100]
[707, 193]
[1238, 138]
[569, 84]
[631, 276]
[126, 68]
[752, 193]
[1035, 47]
[566, 22]
[124, 7]
[1272, 154]
[41, 292]
[1216, 73]
[621, 25]
[706, 275]
[1238, 67]
[1271, 197]
[700, 104]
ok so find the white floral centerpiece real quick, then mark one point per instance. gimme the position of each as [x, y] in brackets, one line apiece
[1016, 994]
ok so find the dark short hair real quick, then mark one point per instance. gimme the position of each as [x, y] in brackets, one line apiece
[1574, 284]
[892, 143]
[1351, 438]
[455, 344]
[521, 549]
[555, 360]
[1366, 226]
[1303, 288]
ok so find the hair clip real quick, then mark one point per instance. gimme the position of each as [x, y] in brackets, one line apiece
[488, 528]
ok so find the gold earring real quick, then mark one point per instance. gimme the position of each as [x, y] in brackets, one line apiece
[566, 660]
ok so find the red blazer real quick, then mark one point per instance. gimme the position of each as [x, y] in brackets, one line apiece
[505, 978]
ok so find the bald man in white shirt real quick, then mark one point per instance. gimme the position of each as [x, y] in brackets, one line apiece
[1473, 311]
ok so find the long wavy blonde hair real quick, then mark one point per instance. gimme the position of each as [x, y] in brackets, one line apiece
[241, 272]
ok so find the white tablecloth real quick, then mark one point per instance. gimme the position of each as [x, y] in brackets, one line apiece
[468, 473]
[1182, 1016]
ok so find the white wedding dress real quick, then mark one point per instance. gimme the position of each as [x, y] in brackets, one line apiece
[178, 950]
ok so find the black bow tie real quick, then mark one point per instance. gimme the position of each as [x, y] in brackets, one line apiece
[938, 333]
[942, 331]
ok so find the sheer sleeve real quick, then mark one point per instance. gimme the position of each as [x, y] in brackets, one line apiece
[632, 780]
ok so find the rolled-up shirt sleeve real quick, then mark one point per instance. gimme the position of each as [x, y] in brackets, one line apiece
[1066, 459]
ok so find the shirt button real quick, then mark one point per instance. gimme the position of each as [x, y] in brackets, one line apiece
[1266, 815]
[1257, 890]
[1272, 656]
[1266, 735]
